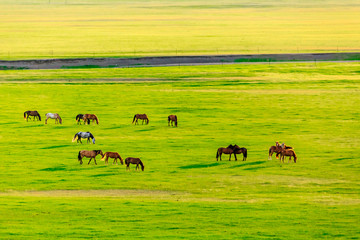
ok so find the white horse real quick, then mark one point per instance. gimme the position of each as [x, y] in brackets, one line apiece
[53, 116]
[80, 135]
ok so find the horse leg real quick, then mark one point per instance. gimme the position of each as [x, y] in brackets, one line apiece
[230, 157]
[235, 157]
[89, 161]
[46, 120]
[95, 160]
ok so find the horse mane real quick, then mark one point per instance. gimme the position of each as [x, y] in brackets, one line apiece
[230, 146]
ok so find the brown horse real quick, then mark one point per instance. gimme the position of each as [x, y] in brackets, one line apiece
[136, 161]
[114, 155]
[288, 152]
[34, 114]
[277, 149]
[239, 150]
[88, 117]
[227, 150]
[142, 117]
[89, 154]
[172, 119]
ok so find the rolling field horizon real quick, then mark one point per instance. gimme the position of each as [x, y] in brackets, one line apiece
[184, 193]
[33, 29]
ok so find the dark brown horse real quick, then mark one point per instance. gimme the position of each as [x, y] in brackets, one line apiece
[114, 155]
[89, 154]
[88, 117]
[288, 153]
[239, 150]
[34, 114]
[80, 117]
[142, 117]
[227, 150]
[172, 119]
[136, 161]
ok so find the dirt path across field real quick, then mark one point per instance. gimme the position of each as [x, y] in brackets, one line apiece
[173, 60]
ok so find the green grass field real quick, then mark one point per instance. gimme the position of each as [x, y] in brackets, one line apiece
[32, 29]
[184, 193]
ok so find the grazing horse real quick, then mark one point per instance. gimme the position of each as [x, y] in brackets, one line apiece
[35, 114]
[136, 161]
[89, 154]
[80, 117]
[172, 118]
[288, 152]
[277, 149]
[87, 135]
[142, 117]
[53, 116]
[227, 150]
[114, 155]
[88, 117]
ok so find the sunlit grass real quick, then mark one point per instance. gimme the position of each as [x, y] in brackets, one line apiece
[184, 193]
[37, 29]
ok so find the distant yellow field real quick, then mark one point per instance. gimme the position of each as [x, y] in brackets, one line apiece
[89, 28]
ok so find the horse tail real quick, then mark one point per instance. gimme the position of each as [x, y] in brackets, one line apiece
[134, 118]
[79, 156]
[175, 120]
[75, 137]
[245, 153]
[96, 119]
[142, 165]
[217, 154]
[295, 158]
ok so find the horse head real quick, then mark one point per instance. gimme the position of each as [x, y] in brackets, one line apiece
[99, 152]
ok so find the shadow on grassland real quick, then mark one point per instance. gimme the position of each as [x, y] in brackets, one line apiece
[251, 165]
[199, 166]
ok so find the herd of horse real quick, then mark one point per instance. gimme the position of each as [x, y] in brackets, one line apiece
[105, 156]
[280, 149]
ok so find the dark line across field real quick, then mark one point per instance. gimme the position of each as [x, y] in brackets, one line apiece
[174, 60]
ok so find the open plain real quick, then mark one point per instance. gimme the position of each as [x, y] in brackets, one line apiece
[183, 192]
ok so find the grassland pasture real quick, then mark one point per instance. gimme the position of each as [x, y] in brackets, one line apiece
[32, 29]
[184, 193]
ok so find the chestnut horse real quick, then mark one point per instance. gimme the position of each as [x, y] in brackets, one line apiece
[80, 117]
[288, 152]
[172, 118]
[142, 117]
[34, 114]
[136, 161]
[227, 150]
[53, 116]
[89, 154]
[114, 155]
[88, 117]
[277, 149]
